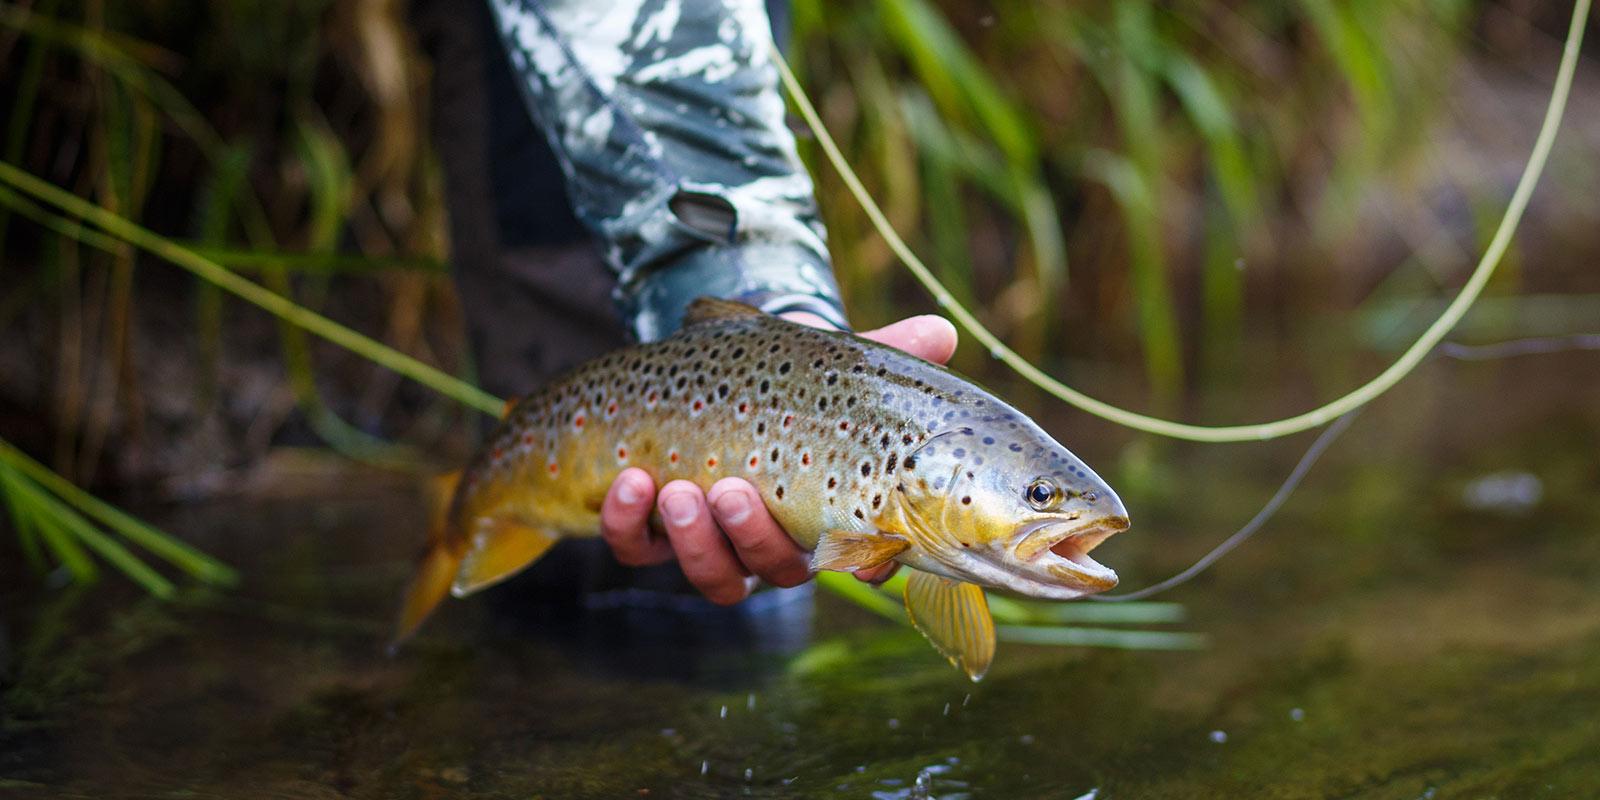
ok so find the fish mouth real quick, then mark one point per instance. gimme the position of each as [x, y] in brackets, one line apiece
[1061, 548]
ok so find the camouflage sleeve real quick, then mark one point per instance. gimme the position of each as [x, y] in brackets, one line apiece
[667, 120]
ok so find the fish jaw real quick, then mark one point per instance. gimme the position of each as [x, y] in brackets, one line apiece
[1051, 557]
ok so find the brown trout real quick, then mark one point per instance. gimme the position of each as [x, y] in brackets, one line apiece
[863, 453]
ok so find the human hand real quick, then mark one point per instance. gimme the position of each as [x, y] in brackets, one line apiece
[724, 538]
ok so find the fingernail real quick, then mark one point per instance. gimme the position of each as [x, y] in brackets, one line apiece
[626, 493]
[679, 508]
[733, 507]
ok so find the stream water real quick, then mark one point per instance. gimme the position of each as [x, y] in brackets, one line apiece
[1422, 620]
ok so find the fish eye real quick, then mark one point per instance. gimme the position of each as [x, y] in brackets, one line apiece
[1043, 493]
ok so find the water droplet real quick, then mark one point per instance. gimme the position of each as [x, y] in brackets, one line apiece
[1026, 738]
[894, 724]
[1219, 737]
[723, 713]
[704, 767]
[750, 701]
[1297, 714]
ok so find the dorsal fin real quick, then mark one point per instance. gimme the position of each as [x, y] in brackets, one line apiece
[712, 309]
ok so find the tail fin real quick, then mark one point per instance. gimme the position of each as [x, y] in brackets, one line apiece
[438, 567]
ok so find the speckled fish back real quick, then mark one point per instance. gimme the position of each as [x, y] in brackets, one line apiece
[818, 421]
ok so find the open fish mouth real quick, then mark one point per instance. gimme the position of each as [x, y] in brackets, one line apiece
[1061, 548]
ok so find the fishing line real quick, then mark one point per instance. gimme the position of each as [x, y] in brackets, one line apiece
[1404, 365]
[1318, 447]
[1542, 345]
[1538, 345]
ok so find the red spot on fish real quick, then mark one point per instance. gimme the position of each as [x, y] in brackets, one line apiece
[622, 452]
[612, 409]
[673, 456]
[744, 407]
[788, 419]
[554, 467]
[711, 462]
[577, 422]
[527, 438]
[844, 425]
[498, 452]
[753, 460]
[805, 459]
[698, 405]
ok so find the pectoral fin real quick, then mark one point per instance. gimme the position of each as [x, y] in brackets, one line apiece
[847, 551]
[955, 618]
[501, 546]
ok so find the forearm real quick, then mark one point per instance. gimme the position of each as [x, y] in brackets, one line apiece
[668, 123]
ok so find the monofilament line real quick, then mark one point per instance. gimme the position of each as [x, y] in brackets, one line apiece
[1362, 395]
[1314, 452]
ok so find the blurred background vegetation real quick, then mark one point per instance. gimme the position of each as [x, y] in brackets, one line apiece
[1149, 198]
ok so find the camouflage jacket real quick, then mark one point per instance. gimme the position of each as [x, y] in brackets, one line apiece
[667, 121]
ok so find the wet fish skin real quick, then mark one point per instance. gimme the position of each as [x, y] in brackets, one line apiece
[863, 453]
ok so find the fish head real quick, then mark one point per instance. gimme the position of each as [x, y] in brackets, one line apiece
[1006, 506]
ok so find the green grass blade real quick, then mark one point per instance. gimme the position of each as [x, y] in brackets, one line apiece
[878, 601]
[114, 554]
[28, 514]
[181, 555]
[1101, 637]
[255, 294]
[22, 108]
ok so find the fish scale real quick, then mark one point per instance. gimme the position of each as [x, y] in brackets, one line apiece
[842, 437]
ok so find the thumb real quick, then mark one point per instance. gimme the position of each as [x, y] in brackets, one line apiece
[929, 337]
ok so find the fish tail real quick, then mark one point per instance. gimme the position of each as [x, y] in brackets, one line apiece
[438, 566]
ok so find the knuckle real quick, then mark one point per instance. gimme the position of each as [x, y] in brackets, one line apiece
[788, 576]
[725, 593]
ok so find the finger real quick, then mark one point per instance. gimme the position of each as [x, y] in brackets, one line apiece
[625, 521]
[703, 552]
[758, 539]
[877, 575]
[928, 337]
